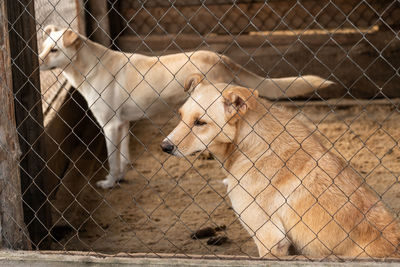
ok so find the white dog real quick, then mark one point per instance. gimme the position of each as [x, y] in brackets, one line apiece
[121, 87]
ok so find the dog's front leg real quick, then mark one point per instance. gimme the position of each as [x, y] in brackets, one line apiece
[113, 135]
[271, 241]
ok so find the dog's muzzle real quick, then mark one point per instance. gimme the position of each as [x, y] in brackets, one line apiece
[168, 147]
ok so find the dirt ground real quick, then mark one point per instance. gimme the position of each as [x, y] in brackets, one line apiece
[164, 199]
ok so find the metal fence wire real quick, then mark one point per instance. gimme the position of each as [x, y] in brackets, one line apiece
[306, 167]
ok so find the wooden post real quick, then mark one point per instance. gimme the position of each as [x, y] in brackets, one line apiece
[29, 119]
[97, 22]
[12, 227]
[116, 22]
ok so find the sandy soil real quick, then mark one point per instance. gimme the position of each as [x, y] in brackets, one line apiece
[164, 199]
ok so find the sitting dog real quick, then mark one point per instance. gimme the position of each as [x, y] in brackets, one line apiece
[121, 87]
[284, 185]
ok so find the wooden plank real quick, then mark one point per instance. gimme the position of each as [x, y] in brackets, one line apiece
[89, 258]
[179, 3]
[29, 119]
[12, 227]
[131, 43]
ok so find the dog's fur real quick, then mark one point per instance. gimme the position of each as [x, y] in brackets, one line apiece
[121, 87]
[284, 185]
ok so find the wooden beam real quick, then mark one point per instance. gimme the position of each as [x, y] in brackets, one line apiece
[29, 119]
[13, 231]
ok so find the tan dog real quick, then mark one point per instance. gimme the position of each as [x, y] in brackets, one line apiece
[284, 185]
[121, 87]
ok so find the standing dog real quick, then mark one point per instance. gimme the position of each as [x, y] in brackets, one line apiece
[121, 87]
[284, 185]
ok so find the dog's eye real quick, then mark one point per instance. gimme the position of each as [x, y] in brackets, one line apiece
[53, 50]
[199, 122]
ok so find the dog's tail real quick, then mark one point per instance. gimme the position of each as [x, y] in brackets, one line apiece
[276, 88]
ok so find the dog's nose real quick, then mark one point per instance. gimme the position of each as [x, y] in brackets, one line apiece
[167, 147]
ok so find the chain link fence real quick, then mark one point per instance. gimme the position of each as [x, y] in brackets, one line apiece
[67, 14]
[307, 170]
[221, 17]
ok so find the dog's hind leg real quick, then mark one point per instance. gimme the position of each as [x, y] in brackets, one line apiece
[113, 136]
[124, 148]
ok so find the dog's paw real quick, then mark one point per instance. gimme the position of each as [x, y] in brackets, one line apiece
[105, 184]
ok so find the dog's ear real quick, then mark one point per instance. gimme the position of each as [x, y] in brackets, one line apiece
[48, 29]
[237, 101]
[192, 81]
[70, 38]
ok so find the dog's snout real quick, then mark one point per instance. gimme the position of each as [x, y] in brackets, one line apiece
[167, 147]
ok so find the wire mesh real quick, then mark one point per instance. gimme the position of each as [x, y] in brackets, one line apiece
[154, 16]
[66, 14]
[315, 176]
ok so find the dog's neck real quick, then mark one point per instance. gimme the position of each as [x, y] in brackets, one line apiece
[227, 153]
[222, 152]
[85, 62]
[246, 143]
